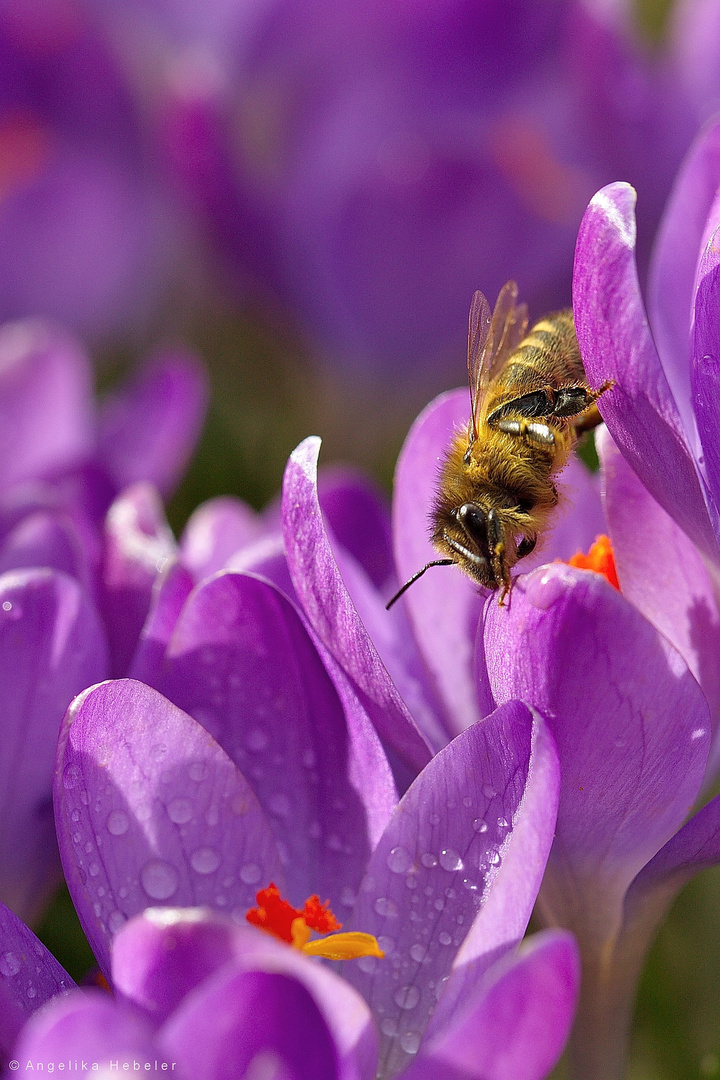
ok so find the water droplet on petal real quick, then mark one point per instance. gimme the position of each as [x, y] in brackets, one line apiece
[418, 953]
[257, 740]
[407, 997]
[386, 907]
[479, 825]
[205, 860]
[180, 811]
[410, 1041]
[159, 879]
[444, 938]
[279, 804]
[116, 920]
[9, 964]
[250, 873]
[118, 822]
[197, 771]
[71, 775]
[399, 860]
[450, 860]
[31, 991]
[389, 1026]
[75, 816]
[428, 859]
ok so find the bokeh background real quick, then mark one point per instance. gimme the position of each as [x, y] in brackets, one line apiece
[306, 193]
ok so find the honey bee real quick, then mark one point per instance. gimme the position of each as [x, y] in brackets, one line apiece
[529, 403]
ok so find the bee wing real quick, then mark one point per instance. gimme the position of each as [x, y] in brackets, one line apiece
[491, 341]
[507, 328]
[477, 358]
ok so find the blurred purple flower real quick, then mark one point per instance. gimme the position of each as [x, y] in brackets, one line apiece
[367, 167]
[86, 228]
[150, 809]
[62, 460]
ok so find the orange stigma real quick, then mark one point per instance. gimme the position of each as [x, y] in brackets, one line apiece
[278, 917]
[599, 558]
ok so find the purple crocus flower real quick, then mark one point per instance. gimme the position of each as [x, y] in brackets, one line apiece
[623, 703]
[150, 808]
[86, 228]
[209, 999]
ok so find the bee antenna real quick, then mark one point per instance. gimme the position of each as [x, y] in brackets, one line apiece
[413, 579]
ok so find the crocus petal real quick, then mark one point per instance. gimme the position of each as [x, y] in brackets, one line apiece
[149, 808]
[516, 1025]
[164, 953]
[90, 1026]
[214, 532]
[615, 343]
[632, 751]
[705, 371]
[693, 848]
[43, 374]
[51, 647]
[442, 855]
[330, 610]
[149, 429]
[664, 576]
[49, 539]
[240, 1021]
[674, 264]
[138, 544]
[241, 662]
[444, 605]
[360, 520]
[266, 558]
[170, 591]
[29, 976]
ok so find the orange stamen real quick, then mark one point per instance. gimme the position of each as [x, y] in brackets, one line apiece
[599, 558]
[277, 917]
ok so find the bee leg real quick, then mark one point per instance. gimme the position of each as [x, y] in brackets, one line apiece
[532, 430]
[496, 543]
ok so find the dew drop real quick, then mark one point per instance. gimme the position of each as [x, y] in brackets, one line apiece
[116, 920]
[94, 869]
[159, 879]
[347, 897]
[7, 606]
[117, 823]
[503, 823]
[399, 860]
[88, 847]
[31, 991]
[71, 775]
[444, 938]
[410, 1041]
[180, 810]
[428, 859]
[9, 964]
[389, 1026]
[250, 873]
[205, 860]
[386, 907]
[494, 859]
[418, 953]
[197, 771]
[407, 997]
[279, 804]
[450, 860]
[467, 801]
[75, 816]
[367, 964]
[257, 740]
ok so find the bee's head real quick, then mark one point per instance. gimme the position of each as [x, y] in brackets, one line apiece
[470, 534]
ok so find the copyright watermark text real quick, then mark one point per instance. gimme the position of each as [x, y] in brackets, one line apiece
[80, 1065]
